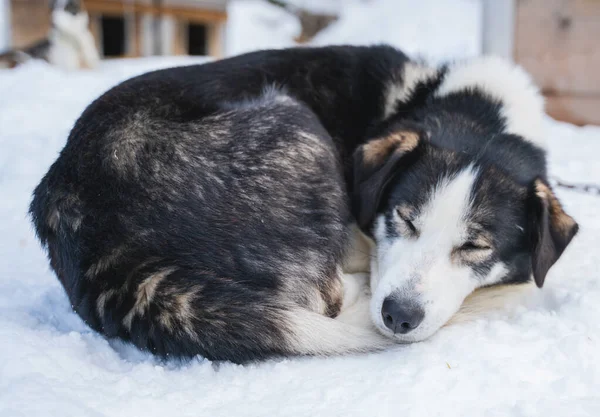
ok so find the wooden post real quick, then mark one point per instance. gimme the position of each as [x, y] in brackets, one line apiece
[30, 21]
[157, 27]
[215, 40]
[557, 42]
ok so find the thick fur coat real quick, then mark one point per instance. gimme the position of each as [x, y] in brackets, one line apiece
[209, 209]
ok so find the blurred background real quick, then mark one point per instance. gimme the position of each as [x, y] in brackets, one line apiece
[555, 40]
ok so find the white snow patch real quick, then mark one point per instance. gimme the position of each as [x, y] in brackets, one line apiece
[437, 30]
[255, 24]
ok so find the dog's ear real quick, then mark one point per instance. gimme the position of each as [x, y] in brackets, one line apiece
[551, 229]
[375, 162]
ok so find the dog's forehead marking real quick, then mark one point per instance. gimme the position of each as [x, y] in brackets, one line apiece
[448, 207]
[442, 223]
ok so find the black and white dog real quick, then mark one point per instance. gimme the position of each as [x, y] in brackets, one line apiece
[209, 209]
[69, 45]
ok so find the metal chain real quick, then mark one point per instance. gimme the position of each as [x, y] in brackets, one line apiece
[593, 189]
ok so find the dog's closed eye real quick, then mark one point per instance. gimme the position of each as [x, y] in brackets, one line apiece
[473, 246]
[406, 216]
[474, 251]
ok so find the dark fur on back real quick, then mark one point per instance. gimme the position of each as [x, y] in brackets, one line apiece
[192, 208]
[217, 223]
[344, 86]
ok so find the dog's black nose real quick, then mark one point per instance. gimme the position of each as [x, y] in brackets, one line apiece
[401, 317]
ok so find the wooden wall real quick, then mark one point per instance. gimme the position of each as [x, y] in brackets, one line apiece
[558, 42]
[30, 21]
[181, 14]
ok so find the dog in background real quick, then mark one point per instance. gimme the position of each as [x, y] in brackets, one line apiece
[70, 44]
[211, 209]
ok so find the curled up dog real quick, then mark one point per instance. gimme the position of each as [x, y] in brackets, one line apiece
[212, 209]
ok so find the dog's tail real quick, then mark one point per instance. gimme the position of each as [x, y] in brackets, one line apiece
[180, 312]
[314, 334]
[174, 311]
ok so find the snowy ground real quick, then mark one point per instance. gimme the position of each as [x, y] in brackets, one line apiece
[434, 29]
[541, 358]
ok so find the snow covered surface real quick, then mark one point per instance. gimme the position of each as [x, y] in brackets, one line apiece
[541, 358]
[435, 29]
[254, 24]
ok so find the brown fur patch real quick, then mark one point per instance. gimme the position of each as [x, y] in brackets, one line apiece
[332, 294]
[102, 299]
[105, 262]
[184, 311]
[561, 221]
[178, 312]
[377, 151]
[144, 294]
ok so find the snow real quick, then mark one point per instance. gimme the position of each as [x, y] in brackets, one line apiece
[434, 29]
[254, 24]
[540, 357]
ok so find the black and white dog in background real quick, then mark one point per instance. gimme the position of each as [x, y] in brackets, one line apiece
[210, 209]
[69, 45]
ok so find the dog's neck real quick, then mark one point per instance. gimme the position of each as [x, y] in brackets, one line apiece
[502, 83]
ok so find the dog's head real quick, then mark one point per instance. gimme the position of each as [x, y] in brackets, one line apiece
[70, 6]
[446, 222]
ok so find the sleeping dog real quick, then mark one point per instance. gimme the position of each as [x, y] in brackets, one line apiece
[210, 209]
